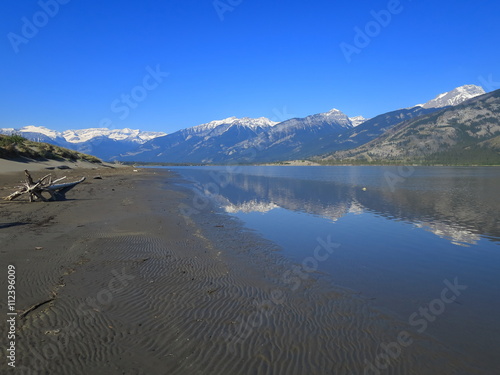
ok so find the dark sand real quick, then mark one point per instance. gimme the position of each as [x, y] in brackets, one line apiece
[125, 284]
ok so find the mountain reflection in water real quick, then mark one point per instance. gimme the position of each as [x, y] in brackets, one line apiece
[401, 233]
[456, 206]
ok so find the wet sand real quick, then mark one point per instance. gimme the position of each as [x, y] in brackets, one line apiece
[117, 280]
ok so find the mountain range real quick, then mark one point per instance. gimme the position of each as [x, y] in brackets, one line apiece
[470, 117]
[464, 133]
[240, 141]
[101, 142]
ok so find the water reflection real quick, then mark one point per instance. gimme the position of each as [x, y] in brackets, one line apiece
[457, 207]
[397, 245]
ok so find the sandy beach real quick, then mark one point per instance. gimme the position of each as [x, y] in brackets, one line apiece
[118, 280]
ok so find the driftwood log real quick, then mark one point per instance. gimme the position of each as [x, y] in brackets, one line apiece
[44, 184]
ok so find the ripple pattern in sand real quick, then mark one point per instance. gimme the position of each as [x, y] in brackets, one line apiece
[153, 305]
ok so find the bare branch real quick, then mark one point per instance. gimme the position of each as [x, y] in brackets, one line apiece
[44, 184]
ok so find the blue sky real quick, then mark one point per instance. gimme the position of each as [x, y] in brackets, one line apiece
[168, 65]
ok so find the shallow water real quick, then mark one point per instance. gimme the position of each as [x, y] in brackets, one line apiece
[403, 237]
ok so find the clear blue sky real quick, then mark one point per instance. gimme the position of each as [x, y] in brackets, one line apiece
[277, 59]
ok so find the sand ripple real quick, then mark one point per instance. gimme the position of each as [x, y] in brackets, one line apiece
[152, 300]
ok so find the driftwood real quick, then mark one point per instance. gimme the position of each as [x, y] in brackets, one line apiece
[44, 184]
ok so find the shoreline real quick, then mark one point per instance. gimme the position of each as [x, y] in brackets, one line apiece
[310, 164]
[124, 283]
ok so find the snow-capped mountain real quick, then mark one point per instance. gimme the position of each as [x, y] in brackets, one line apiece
[243, 140]
[37, 134]
[43, 131]
[454, 97]
[101, 142]
[253, 123]
[464, 133]
[203, 143]
[332, 118]
[219, 127]
[84, 135]
[234, 140]
[357, 120]
[375, 127]
[126, 134]
[296, 138]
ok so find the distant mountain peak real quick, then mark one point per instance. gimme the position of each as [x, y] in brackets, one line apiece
[260, 121]
[333, 110]
[458, 134]
[126, 134]
[334, 115]
[454, 97]
[244, 121]
[357, 120]
[39, 129]
[333, 119]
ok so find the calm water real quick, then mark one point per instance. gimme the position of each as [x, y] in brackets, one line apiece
[401, 233]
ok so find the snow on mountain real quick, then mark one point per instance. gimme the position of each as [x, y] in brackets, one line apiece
[454, 97]
[101, 142]
[242, 139]
[294, 138]
[253, 123]
[357, 120]
[39, 129]
[332, 118]
[37, 134]
[84, 135]
[201, 143]
[131, 135]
